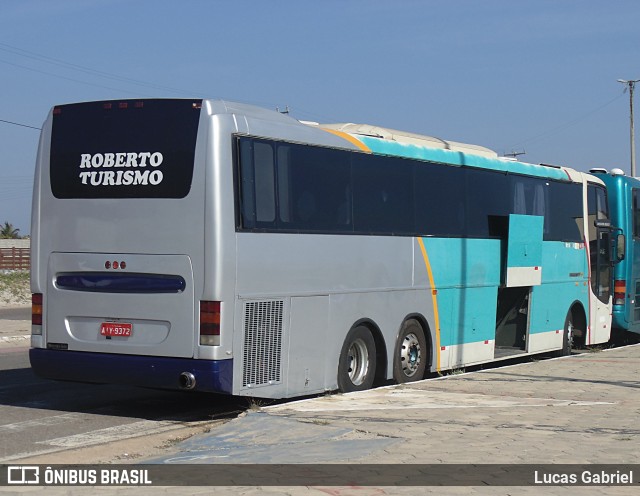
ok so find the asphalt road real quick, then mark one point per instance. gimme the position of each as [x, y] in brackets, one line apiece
[17, 313]
[39, 417]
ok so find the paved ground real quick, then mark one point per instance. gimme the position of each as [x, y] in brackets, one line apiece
[15, 325]
[583, 409]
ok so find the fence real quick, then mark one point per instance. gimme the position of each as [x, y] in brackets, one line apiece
[14, 259]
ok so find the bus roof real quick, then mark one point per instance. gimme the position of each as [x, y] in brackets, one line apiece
[388, 141]
[405, 144]
[411, 138]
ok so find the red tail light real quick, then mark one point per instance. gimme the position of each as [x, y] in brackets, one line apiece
[619, 292]
[36, 309]
[210, 322]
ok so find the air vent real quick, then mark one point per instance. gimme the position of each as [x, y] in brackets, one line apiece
[262, 343]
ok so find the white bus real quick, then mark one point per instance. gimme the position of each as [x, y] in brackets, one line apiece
[212, 246]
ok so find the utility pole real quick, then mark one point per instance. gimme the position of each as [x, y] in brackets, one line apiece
[631, 83]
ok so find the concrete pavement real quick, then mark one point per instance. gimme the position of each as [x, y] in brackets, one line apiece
[15, 326]
[579, 409]
[582, 409]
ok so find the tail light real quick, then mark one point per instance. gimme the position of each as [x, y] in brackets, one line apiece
[36, 313]
[210, 323]
[619, 292]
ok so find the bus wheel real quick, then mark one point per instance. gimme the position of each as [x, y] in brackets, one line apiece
[567, 337]
[410, 358]
[357, 366]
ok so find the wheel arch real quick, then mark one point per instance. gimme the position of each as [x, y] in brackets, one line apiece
[579, 318]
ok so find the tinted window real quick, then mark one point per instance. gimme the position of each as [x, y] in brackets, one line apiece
[258, 184]
[529, 195]
[439, 200]
[292, 187]
[134, 149]
[636, 213]
[565, 200]
[314, 188]
[487, 207]
[382, 194]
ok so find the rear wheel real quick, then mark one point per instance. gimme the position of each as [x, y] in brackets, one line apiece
[357, 366]
[410, 358]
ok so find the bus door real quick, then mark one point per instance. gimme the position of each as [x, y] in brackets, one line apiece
[600, 265]
[523, 270]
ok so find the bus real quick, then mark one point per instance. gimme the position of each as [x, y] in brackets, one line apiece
[205, 245]
[624, 203]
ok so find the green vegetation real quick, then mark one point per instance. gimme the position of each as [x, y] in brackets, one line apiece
[7, 231]
[14, 287]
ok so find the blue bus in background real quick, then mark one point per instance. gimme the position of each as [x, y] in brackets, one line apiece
[624, 202]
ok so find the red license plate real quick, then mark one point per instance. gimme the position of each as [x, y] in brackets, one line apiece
[116, 329]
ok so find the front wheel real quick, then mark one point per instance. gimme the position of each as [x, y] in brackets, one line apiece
[410, 358]
[357, 366]
[567, 338]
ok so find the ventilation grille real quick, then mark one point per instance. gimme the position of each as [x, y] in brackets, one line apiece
[262, 343]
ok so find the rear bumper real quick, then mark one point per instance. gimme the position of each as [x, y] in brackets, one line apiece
[214, 376]
[619, 314]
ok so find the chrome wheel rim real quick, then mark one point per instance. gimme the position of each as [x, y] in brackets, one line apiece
[358, 362]
[410, 355]
[570, 335]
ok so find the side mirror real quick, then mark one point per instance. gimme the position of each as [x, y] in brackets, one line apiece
[620, 248]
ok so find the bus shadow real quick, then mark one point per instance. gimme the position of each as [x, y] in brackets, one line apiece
[21, 388]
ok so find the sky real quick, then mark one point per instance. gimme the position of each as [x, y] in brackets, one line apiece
[538, 77]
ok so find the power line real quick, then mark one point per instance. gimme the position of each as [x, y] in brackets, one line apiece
[86, 70]
[21, 125]
[4, 47]
[566, 124]
[65, 78]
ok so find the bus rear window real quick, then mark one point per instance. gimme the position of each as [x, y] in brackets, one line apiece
[124, 149]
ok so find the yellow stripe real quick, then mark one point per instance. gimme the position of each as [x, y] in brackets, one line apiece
[434, 297]
[349, 138]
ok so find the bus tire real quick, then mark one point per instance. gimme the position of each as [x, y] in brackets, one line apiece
[567, 335]
[410, 357]
[357, 365]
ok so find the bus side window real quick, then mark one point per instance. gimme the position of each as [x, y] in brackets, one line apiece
[247, 201]
[264, 183]
[317, 180]
[284, 190]
[382, 202]
[636, 214]
[257, 203]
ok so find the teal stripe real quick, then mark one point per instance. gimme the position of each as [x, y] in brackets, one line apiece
[385, 147]
[467, 274]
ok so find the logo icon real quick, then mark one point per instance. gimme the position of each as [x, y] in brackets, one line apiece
[23, 474]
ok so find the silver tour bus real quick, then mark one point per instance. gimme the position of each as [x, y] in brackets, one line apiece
[212, 246]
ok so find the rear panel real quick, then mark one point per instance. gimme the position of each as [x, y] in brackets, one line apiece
[118, 221]
[82, 297]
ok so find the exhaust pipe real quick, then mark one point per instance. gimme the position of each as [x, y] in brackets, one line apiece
[187, 380]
